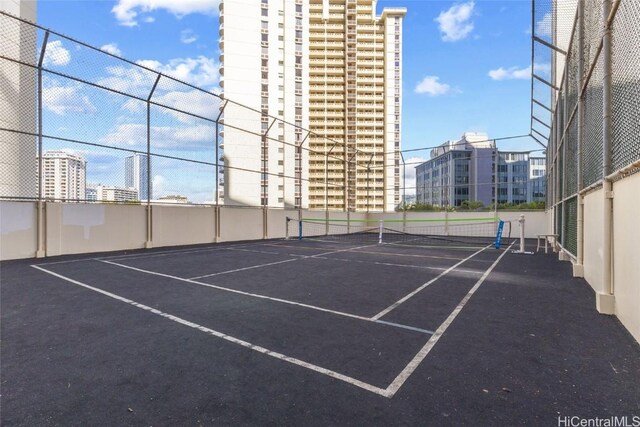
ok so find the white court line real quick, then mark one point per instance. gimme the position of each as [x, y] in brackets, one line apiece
[421, 267]
[234, 340]
[419, 357]
[443, 247]
[262, 252]
[273, 263]
[243, 269]
[235, 291]
[377, 252]
[388, 392]
[411, 328]
[406, 297]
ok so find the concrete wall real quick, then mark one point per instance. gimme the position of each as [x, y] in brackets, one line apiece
[248, 224]
[74, 228]
[183, 225]
[593, 239]
[626, 265]
[18, 237]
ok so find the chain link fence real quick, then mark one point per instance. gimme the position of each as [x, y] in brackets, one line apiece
[78, 124]
[573, 34]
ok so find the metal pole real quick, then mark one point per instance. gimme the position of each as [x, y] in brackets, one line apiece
[149, 242]
[40, 250]
[578, 269]
[495, 180]
[606, 152]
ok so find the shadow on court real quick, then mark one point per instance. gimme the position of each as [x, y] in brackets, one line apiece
[293, 332]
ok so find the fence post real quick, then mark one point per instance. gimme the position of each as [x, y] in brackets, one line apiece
[606, 305]
[578, 269]
[40, 212]
[149, 242]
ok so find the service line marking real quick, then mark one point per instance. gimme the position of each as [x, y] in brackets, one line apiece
[226, 337]
[387, 392]
[424, 351]
[275, 263]
[410, 295]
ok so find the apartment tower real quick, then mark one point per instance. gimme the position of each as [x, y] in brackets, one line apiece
[136, 175]
[264, 47]
[355, 98]
[64, 176]
[332, 68]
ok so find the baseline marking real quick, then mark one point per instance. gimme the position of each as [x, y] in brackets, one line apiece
[234, 340]
[235, 291]
[275, 263]
[422, 267]
[410, 295]
[419, 357]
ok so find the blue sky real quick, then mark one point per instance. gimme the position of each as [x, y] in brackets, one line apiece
[465, 63]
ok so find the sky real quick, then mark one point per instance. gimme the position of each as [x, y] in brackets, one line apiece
[466, 64]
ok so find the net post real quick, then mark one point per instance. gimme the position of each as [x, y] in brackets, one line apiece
[380, 232]
[499, 234]
[286, 228]
[521, 224]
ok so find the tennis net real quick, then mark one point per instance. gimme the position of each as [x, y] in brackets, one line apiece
[427, 233]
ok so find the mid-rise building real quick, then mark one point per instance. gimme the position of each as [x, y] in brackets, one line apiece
[112, 193]
[332, 67]
[457, 171]
[464, 170]
[136, 175]
[64, 176]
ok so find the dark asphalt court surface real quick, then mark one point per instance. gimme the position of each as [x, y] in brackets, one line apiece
[288, 332]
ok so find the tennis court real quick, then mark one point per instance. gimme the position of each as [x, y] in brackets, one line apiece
[328, 325]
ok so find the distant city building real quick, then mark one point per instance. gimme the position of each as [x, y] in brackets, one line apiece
[18, 101]
[64, 176]
[457, 171]
[91, 193]
[464, 170]
[521, 178]
[136, 175]
[110, 193]
[173, 199]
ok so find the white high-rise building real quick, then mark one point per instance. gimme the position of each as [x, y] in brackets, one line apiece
[264, 54]
[333, 67]
[136, 174]
[64, 176]
[18, 101]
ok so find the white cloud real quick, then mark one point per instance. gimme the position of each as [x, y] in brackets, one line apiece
[126, 11]
[66, 99]
[193, 101]
[454, 23]
[159, 184]
[200, 71]
[149, 19]
[187, 36]
[543, 26]
[195, 137]
[408, 175]
[56, 54]
[515, 73]
[432, 87]
[112, 48]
